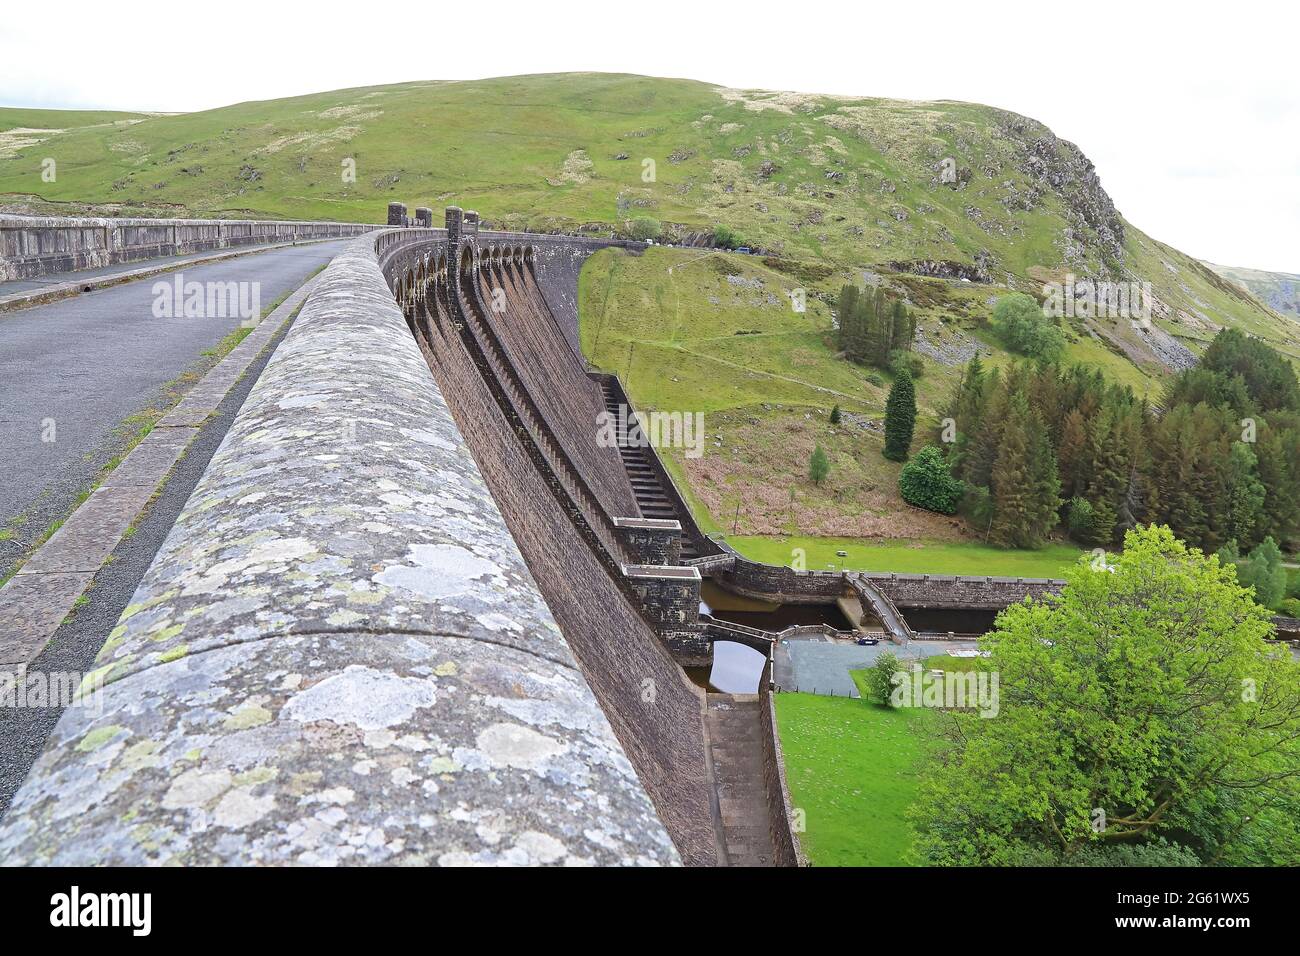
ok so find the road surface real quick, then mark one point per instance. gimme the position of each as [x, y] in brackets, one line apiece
[72, 371]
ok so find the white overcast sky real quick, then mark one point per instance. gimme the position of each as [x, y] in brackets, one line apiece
[1191, 111]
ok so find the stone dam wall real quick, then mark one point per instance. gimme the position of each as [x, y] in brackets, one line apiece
[35, 246]
[780, 806]
[340, 655]
[576, 553]
[956, 592]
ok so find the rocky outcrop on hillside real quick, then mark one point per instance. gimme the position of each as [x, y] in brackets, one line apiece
[1056, 164]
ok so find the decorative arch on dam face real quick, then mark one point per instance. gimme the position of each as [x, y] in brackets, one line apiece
[468, 259]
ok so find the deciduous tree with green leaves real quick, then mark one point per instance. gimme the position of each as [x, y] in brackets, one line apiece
[645, 228]
[1019, 322]
[1144, 705]
[880, 678]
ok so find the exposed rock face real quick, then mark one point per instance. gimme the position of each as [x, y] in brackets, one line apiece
[946, 268]
[1062, 167]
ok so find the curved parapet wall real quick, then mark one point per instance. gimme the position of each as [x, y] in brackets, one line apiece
[338, 654]
[33, 246]
[561, 523]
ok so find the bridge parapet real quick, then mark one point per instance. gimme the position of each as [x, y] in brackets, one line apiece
[960, 591]
[338, 654]
[32, 246]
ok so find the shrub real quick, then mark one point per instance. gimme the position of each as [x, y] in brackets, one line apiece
[1263, 570]
[880, 678]
[835, 415]
[903, 360]
[724, 237]
[927, 482]
[1019, 322]
[819, 466]
[1290, 607]
[644, 228]
[1079, 519]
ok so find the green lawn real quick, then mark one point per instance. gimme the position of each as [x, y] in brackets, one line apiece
[851, 768]
[945, 662]
[912, 557]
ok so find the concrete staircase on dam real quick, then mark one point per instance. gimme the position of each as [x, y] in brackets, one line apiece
[651, 497]
[734, 726]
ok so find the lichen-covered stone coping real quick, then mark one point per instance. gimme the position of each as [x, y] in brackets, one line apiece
[338, 655]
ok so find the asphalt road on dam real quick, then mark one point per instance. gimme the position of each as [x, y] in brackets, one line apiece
[87, 363]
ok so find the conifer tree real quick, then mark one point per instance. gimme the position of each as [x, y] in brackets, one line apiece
[903, 327]
[1011, 480]
[1025, 484]
[819, 466]
[900, 417]
[846, 306]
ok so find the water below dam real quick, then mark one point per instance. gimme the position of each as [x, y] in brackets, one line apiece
[765, 615]
[943, 620]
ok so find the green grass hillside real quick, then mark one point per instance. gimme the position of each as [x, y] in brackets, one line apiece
[858, 181]
[948, 204]
[22, 131]
[1279, 290]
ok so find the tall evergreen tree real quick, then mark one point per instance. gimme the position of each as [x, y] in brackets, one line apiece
[846, 310]
[966, 410]
[1245, 497]
[1072, 454]
[903, 327]
[819, 466]
[1025, 485]
[1011, 481]
[1108, 474]
[900, 417]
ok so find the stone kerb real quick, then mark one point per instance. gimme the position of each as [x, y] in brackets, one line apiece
[338, 654]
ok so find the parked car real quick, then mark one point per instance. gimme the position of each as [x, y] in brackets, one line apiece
[868, 641]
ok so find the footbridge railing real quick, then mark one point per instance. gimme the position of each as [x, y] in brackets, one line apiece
[716, 629]
[895, 624]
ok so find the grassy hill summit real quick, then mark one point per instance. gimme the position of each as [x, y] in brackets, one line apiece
[945, 188]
